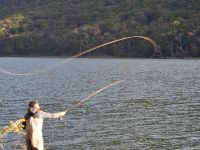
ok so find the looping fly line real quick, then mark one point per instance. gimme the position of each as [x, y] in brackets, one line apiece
[80, 54]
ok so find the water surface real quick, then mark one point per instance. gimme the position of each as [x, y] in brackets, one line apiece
[157, 107]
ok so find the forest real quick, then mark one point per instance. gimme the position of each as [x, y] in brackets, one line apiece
[67, 27]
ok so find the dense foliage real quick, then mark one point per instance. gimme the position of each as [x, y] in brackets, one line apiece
[66, 27]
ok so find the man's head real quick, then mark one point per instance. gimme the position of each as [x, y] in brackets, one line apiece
[34, 106]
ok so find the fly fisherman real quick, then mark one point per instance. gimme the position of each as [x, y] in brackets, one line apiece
[34, 122]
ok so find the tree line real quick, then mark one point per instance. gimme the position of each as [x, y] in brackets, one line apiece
[66, 27]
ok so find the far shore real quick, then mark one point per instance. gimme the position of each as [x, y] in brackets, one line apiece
[96, 57]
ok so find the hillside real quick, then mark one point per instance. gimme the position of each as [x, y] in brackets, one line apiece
[66, 27]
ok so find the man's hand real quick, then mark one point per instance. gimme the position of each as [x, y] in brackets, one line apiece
[62, 115]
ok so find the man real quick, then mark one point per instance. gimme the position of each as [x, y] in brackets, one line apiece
[34, 123]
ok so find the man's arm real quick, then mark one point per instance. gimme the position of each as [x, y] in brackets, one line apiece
[42, 115]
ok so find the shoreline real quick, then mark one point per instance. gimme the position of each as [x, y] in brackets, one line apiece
[99, 57]
[96, 57]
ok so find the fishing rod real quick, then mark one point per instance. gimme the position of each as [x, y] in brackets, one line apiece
[93, 94]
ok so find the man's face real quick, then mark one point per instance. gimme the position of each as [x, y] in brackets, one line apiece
[36, 106]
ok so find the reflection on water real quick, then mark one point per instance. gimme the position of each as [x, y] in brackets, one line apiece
[157, 107]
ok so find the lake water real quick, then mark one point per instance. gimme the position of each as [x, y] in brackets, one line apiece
[157, 107]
